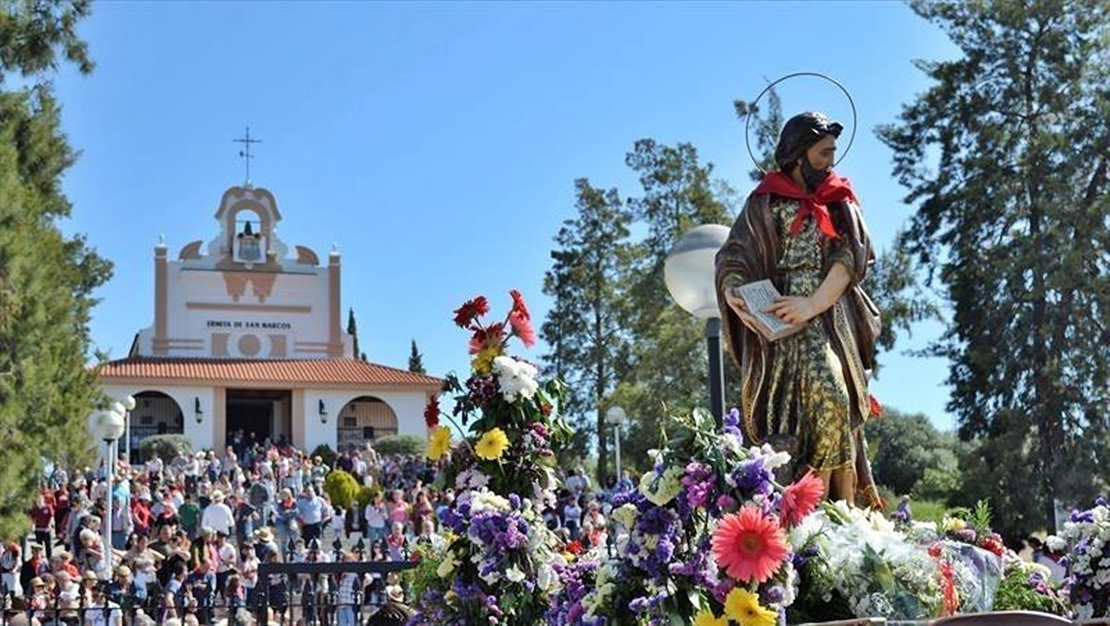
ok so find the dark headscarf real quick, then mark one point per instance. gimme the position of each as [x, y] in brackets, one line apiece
[799, 134]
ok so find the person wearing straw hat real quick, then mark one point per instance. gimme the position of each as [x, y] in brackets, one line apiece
[218, 515]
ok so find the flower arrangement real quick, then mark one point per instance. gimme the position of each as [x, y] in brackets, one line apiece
[497, 561]
[1086, 534]
[702, 540]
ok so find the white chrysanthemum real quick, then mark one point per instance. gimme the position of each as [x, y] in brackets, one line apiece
[471, 478]
[1055, 543]
[487, 501]
[516, 378]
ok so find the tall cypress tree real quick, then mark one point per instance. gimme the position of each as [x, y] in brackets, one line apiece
[1005, 156]
[416, 360]
[46, 278]
[583, 325]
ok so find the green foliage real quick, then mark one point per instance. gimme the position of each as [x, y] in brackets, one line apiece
[1016, 594]
[166, 447]
[905, 446]
[46, 278]
[400, 444]
[938, 484]
[1005, 156]
[326, 454]
[342, 488]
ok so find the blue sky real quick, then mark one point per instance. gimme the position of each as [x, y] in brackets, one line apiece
[436, 144]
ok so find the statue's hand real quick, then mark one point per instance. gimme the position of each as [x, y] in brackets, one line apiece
[736, 303]
[794, 309]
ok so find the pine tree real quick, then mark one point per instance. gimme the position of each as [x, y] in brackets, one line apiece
[1006, 157]
[46, 278]
[416, 360]
[583, 325]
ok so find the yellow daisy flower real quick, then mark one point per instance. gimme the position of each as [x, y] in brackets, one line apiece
[706, 618]
[492, 445]
[439, 443]
[742, 607]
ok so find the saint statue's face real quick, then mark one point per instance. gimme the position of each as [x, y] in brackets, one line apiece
[817, 161]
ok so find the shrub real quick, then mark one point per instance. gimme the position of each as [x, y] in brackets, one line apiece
[365, 495]
[167, 447]
[325, 453]
[400, 444]
[342, 488]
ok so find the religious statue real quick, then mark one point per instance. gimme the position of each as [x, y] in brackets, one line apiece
[248, 249]
[802, 229]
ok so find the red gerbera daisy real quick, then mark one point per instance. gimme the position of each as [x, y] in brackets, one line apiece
[800, 498]
[484, 338]
[749, 546]
[471, 310]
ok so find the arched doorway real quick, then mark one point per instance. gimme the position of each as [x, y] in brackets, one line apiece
[363, 419]
[155, 414]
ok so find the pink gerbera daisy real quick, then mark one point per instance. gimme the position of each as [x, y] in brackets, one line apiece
[749, 546]
[800, 498]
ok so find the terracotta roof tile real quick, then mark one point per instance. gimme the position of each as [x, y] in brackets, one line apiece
[305, 371]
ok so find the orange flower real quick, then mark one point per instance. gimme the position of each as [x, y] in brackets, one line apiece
[749, 546]
[800, 498]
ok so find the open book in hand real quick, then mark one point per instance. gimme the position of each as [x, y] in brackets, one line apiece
[757, 297]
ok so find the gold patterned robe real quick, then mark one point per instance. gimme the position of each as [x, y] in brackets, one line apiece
[809, 388]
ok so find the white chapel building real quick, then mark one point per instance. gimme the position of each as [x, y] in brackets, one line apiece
[247, 336]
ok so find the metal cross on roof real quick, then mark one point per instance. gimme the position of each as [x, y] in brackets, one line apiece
[246, 152]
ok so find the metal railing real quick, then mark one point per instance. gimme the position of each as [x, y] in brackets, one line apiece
[304, 593]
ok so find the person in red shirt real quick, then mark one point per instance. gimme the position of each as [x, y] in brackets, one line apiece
[141, 515]
[42, 517]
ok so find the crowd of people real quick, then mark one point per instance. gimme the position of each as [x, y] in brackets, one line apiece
[189, 534]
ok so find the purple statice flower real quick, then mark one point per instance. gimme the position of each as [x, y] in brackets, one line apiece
[451, 519]
[752, 476]
[698, 481]
[727, 504]
[514, 501]
[1038, 583]
[967, 535]
[732, 423]
[1083, 517]
[773, 594]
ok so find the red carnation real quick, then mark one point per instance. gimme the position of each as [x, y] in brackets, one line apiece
[518, 304]
[523, 328]
[470, 311]
[876, 408]
[431, 412]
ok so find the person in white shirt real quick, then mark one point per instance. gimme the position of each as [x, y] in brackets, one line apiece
[218, 516]
[102, 612]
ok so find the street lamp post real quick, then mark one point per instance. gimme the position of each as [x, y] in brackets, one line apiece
[615, 416]
[690, 272]
[107, 425]
[128, 406]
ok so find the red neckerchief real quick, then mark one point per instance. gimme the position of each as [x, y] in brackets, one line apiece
[816, 204]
